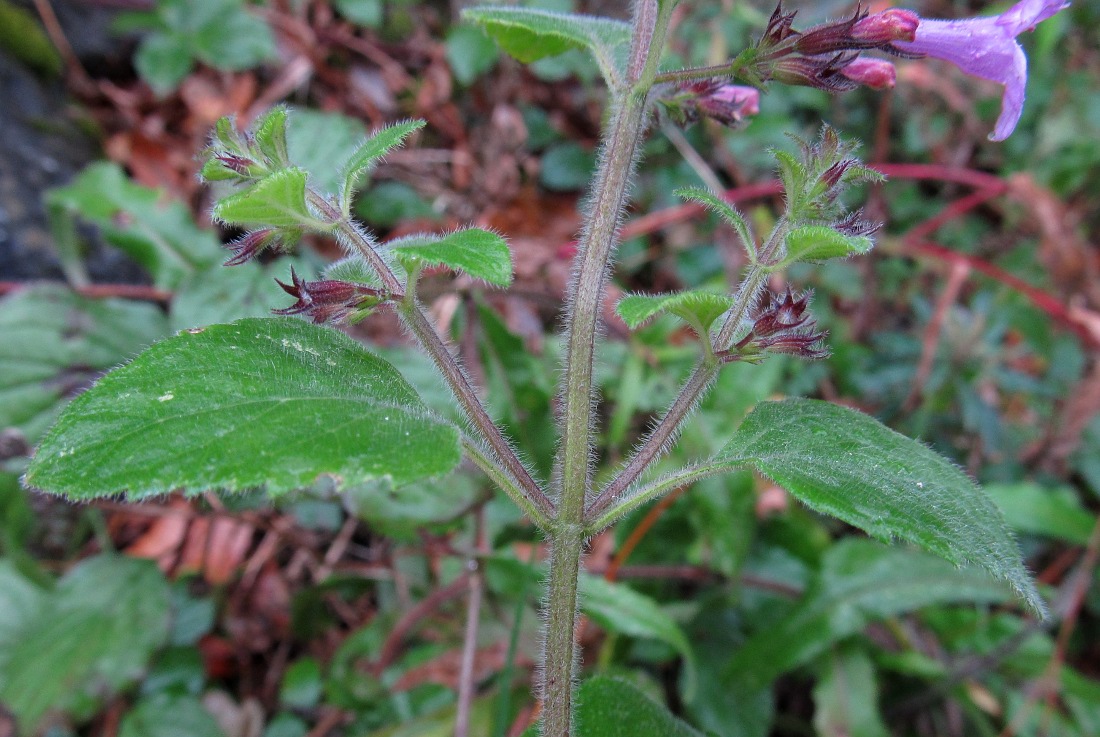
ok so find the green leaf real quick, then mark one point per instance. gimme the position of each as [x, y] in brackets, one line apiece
[618, 608]
[821, 243]
[89, 637]
[278, 200]
[724, 210]
[276, 402]
[566, 167]
[361, 12]
[165, 715]
[221, 294]
[53, 343]
[860, 582]
[319, 142]
[846, 697]
[23, 37]
[1032, 509]
[479, 253]
[848, 465]
[370, 151]
[529, 34]
[696, 307]
[163, 60]
[612, 707]
[470, 53]
[389, 203]
[158, 233]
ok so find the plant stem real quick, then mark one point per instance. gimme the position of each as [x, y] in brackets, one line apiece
[433, 345]
[609, 196]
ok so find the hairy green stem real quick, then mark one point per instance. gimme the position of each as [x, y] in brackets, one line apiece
[586, 289]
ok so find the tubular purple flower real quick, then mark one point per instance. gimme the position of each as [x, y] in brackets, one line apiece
[987, 48]
[878, 74]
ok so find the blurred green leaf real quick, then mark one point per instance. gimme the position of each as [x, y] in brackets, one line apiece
[696, 307]
[158, 233]
[302, 684]
[320, 142]
[470, 53]
[53, 343]
[566, 167]
[224, 294]
[846, 696]
[480, 253]
[618, 608]
[169, 716]
[291, 401]
[366, 13]
[23, 37]
[611, 707]
[89, 637]
[389, 203]
[848, 465]
[860, 582]
[221, 33]
[1032, 509]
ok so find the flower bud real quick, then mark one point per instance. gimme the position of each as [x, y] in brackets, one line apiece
[327, 300]
[878, 74]
[249, 246]
[895, 24]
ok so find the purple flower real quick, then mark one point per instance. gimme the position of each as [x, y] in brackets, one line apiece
[987, 48]
[878, 74]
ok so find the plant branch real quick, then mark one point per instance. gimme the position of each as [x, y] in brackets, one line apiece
[434, 346]
[642, 495]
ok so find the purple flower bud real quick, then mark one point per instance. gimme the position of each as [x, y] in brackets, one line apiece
[248, 246]
[327, 300]
[987, 48]
[780, 325]
[878, 74]
[853, 224]
[729, 104]
[895, 24]
[820, 72]
[235, 163]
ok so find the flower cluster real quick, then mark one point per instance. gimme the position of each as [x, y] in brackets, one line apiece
[780, 325]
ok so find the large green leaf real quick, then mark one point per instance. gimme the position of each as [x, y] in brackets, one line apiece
[53, 343]
[479, 253]
[860, 582]
[278, 200]
[261, 401]
[158, 233]
[618, 608]
[612, 707]
[90, 636]
[846, 464]
[697, 308]
[529, 34]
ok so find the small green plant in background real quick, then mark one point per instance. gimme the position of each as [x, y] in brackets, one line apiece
[279, 403]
